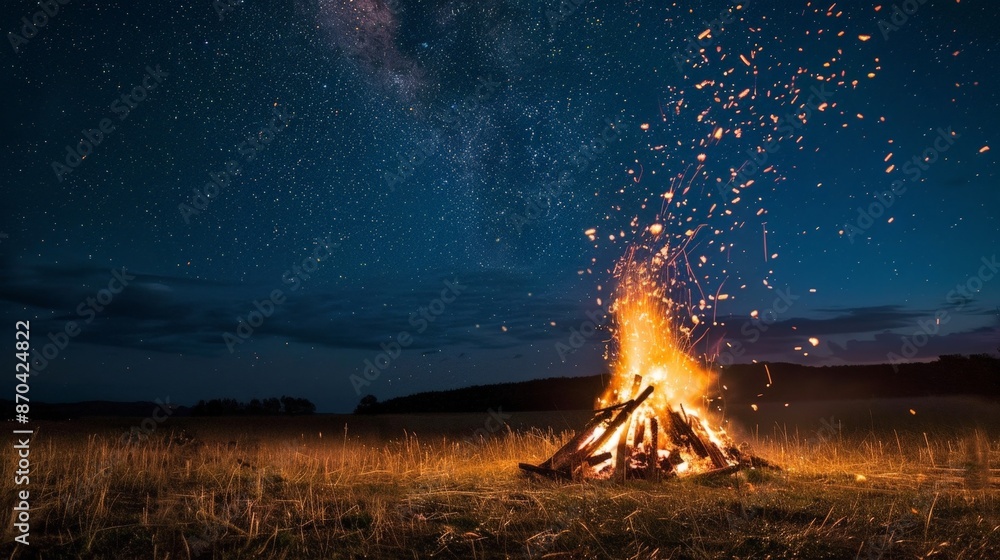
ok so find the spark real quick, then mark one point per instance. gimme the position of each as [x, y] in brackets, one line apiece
[765, 241]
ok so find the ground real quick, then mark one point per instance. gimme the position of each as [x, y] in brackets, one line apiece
[860, 479]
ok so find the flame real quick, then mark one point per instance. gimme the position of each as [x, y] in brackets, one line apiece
[652, 347]
[651, 338]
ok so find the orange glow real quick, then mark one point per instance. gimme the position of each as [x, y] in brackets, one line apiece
[648, 342]
[651, 339]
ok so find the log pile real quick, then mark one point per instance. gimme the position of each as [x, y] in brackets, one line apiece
[673, 444]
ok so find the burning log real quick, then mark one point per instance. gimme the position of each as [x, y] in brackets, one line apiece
[623, 438]
[688, 447]
[651, 462]
[687, 431]
[564, 456]
[568, 460]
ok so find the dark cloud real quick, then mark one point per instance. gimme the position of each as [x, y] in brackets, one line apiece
[974, 341]
[856, 335]
[184, 316]
[857, 320]
[178, 315]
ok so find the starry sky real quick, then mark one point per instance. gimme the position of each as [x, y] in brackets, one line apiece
[250, 199]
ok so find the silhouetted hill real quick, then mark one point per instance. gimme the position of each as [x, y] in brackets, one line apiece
[554, 393]
[977, 375]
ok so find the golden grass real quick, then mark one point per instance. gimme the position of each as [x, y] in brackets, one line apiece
[303, 488]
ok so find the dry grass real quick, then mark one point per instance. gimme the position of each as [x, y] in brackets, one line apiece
[302, 488]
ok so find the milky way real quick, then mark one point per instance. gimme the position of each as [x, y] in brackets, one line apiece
[827, 168]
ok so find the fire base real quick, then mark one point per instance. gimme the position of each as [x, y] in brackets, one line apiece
[676, 444]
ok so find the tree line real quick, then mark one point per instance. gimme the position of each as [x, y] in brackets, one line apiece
[256, 407]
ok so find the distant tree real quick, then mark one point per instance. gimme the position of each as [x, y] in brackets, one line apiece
[294, 406]
[272, 406]
[214, 408]
[232, 407]
[368, 405]
[255, 407]
[199, 409]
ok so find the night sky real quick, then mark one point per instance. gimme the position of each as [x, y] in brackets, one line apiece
[288, 187]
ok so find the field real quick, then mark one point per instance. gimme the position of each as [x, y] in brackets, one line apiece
[862, 480]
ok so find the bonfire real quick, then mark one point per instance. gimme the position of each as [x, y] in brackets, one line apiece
[650, 422]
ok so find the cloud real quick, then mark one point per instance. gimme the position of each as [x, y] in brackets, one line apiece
[188, 316]
[854, 335]
[974, 341]
[181, 315]
[859, 319]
